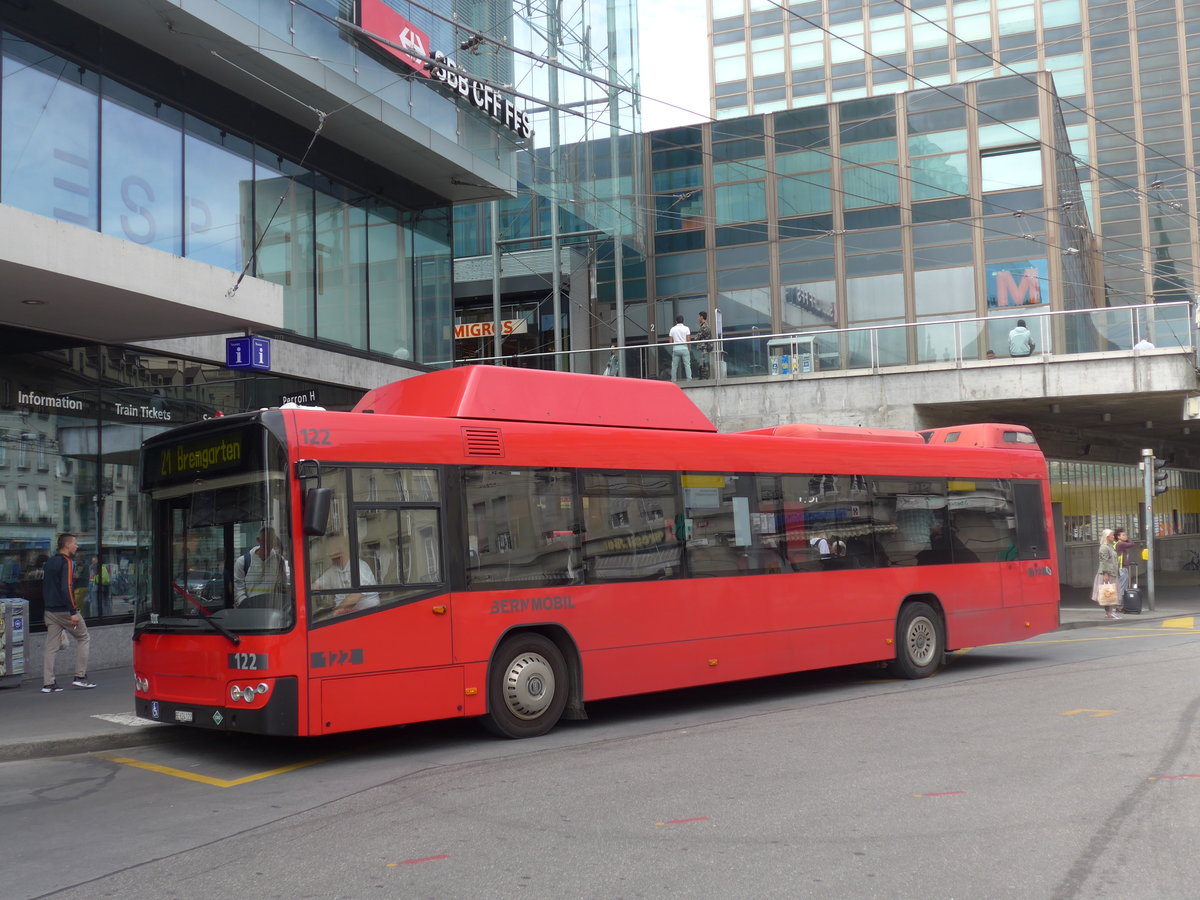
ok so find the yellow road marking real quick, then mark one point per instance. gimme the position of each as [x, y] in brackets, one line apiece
[206, 779]
[1182, 622]
[1082, 640]
[1095, 713]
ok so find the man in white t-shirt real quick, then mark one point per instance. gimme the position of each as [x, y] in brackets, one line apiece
[680, 335]
[338, 576]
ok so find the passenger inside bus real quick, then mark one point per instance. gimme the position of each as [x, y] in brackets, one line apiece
[338, 575]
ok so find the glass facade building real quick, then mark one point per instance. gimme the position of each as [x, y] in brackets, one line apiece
[907, 208]
[575, 222]
[270, 142]
[1125, 73]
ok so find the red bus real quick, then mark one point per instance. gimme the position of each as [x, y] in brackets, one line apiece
[509, 544]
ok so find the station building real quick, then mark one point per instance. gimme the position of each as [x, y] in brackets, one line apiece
[173, 174]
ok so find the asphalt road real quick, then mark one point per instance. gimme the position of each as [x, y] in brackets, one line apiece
[1067, 766]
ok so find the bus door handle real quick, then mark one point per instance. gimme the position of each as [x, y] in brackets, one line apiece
[439, 610]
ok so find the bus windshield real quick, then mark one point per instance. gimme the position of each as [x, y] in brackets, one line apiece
[223, 562]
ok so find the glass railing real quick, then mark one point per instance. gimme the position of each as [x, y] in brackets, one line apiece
[1159, 328]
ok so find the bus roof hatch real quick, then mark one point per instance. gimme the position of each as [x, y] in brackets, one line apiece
[502, 393]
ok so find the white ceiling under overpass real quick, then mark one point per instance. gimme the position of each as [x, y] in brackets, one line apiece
[72, 281]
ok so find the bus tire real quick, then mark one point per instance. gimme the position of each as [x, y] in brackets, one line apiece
[918, 641]
[527, 687]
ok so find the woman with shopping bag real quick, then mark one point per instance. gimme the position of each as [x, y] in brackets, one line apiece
[1104, 588]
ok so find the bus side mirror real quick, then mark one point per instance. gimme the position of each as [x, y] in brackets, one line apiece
[316, 510]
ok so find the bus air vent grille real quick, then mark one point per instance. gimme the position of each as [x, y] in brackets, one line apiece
[483, 442]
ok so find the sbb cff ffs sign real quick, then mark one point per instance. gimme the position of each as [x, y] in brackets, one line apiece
[488, 329]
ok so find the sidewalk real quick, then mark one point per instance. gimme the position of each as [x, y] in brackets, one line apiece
[78, 721]
[1176, 595]
[33, 724]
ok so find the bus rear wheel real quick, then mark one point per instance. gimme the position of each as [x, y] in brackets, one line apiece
[918, 641]
[527, 689]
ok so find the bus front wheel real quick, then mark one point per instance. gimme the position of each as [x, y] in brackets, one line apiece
[527, 688]
[918, 641]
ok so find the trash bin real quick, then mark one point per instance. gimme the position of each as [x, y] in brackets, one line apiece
[12, 640]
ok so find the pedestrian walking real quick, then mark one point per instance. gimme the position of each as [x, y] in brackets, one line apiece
[62, 615]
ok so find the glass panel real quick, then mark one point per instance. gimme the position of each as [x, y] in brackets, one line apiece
[1006, 171]
[740, 202]
[874, 186]
[802, 195]
[216, 207]
[50, 131]
[634, 527]
[142, 178]
[389, 286]
[341, 251]
[283, 224]
[390, 485]
[940, 291]
[939, 176]
[522, 527]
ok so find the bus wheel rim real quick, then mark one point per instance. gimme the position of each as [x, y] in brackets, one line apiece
[922, 641]
[529, 686]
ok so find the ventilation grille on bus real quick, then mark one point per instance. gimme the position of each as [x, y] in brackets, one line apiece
[483, 442]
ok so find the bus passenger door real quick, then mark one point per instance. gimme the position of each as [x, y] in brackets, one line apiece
[1036, 575]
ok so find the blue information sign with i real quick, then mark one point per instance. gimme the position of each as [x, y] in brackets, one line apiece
[248, 353]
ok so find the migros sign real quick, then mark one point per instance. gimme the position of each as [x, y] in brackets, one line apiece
[488, 329]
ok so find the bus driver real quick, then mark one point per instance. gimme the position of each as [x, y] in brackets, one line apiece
[261, 575]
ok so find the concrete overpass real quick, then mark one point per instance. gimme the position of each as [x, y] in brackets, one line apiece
[1102, 406]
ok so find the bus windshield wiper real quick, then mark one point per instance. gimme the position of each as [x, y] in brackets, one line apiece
[207, 616]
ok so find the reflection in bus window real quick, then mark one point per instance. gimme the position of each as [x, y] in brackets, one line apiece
[522, 527]
[634, 526]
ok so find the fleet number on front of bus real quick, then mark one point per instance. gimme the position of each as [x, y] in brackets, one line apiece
[248, 661]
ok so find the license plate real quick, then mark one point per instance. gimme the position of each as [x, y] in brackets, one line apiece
[183, 715]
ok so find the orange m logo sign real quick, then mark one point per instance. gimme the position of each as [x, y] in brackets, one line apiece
[1011, 293]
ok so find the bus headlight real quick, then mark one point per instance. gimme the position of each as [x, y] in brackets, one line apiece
[141, 683]
[248, 692]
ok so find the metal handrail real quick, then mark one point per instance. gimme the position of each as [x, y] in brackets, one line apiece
[1050, 327]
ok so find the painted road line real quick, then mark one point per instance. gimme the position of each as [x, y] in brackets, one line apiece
[1083, 640]
[943, 794]
[1182, 622]
[207, 779]
[1095, 713]
[684, 821]
[415, 862]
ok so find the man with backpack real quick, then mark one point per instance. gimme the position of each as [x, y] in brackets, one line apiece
[260, 575]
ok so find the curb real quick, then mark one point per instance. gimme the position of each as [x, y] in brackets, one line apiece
[1107, 623]
[69, 746]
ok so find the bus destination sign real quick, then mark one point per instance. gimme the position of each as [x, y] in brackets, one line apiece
[173, 462]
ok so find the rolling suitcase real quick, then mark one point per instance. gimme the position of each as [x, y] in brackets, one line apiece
[1131, 600]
